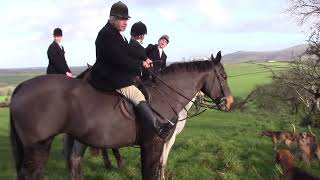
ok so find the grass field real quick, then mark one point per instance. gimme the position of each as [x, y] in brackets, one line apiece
[214, 145]
[2, 98]
[244, 77]
[14, 79]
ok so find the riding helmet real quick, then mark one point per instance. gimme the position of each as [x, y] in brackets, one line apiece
[57, 32]
[138, 29]
[119, 10]
[166, 37]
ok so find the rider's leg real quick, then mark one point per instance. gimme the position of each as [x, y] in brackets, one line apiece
[145, 112]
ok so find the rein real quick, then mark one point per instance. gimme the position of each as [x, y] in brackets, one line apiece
[177, 92]
[190, 100]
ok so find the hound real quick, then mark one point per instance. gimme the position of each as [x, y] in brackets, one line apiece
[290, 172]
[279, 137]
[308, 146]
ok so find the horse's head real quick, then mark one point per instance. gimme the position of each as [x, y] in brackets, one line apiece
[216, 85]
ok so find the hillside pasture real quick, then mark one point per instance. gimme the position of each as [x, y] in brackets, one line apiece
[2, 98]
[244, 77]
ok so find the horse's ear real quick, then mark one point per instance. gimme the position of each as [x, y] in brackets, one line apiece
[212, 58]
[88, 65]
[218, 58]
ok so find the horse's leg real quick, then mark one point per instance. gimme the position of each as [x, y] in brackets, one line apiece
[150, 157]
[67, 148]
[165, 153]
[77, 153]
[106, 159]
[118, 157]
[35, 159]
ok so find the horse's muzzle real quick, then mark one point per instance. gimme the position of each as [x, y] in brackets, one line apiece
[225, 103]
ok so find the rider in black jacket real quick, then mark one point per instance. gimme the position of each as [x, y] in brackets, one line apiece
[157, 55]
[115, 69]
[57, 61]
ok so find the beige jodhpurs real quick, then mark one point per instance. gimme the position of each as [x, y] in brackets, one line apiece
[133, 94]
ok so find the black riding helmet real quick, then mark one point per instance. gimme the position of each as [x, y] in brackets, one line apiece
[119, 10]
[57, 32]
[138, 29]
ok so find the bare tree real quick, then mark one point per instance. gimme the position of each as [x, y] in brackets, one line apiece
[304, 10]
[303, 75]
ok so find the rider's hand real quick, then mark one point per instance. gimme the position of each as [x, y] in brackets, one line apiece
[69, 74]
[149, 62]
[146, 65]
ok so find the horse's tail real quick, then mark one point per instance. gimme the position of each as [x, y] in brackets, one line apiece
[17, 147]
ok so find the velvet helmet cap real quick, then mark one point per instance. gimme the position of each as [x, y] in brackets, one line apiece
[119, 10]
[57, 32]
[138, 29]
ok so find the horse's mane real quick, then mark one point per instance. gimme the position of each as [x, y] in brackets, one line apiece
[199, 66]
[81, 75]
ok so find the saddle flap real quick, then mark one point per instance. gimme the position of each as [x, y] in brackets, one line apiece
[127, 109]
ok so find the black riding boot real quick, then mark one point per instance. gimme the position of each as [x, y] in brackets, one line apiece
[162, 129]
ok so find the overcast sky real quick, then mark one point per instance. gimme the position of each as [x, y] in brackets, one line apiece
[195, 27]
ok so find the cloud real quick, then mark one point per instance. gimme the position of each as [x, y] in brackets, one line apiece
[214, 12]
[26, 26]
[169, 14]
[148, 3]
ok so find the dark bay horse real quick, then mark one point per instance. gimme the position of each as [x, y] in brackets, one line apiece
[48, 105]
[69, 141]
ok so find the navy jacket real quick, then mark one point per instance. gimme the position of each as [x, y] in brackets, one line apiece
[113, 69]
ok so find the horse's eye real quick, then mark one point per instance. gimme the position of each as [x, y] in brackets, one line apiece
[225, 76]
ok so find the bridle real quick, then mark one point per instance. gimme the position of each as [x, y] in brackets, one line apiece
[222, 101]
[213, 104]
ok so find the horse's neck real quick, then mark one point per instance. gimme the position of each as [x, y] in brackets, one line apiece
[188, 106]
[84, 76]
[186, 83]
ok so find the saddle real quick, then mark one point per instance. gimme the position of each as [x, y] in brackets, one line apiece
[127, 108]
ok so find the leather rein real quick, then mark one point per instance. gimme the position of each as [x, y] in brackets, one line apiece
[206, 106]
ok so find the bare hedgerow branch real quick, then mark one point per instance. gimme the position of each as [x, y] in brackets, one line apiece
[304, 10]
[304, 70]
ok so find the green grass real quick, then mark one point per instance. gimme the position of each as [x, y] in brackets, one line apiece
[243, 78]
[15, 79]
[215, 144]
[2, 98]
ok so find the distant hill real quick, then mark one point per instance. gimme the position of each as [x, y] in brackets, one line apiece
[280, 55]
[37, 70]
[237, 57]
